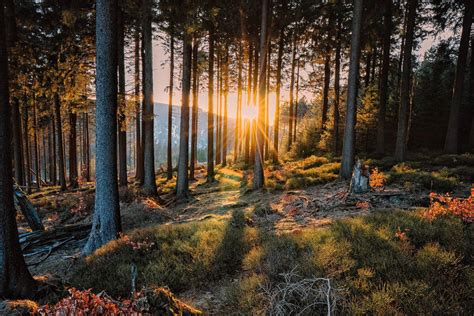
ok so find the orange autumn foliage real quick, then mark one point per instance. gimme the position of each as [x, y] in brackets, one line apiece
[377, 180]
[445, 204]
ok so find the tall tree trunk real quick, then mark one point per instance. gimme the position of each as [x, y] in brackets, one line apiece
[106, 219]
[276, 124]
[182, 181]
[149, 181]
[249, 73]
[401, 145]
[15, 280]
[86, 147]
[238, 121]
[194, 118]
[219, 107]
[337, 90]
[327, 80]
[258, 178]
[297, 100]
[210, 112]
[122, 123]
[59, 142]
[225, 133]
[471, 94]
[17, 143]
[169, 152]
[292, 86]
[451, 143]
[51, 157]
[267, 103]
[73, 150]
[27, 147]
[349, 130]
[139, 118]
[387, 22]
[54, 151]
[44, 164]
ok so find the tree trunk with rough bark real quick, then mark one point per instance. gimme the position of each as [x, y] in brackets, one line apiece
[122, 123]
[451, 143]
[401, 144]
[15, 279]
[258, 177]
[348, 147]
[327, 80]
[169, 150]
[138, 119]
[149, 181]
[210, 112]
[106, 223]
[194, 117]
[276, 124]
[73, 179]
[182, 181]
[383, 92]
[291, 117]
[59, 142]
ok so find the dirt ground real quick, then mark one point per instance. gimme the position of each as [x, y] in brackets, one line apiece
[281, 211]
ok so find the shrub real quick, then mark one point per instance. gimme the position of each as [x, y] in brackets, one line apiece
[444, 204]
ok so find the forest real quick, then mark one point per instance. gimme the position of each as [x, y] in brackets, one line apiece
[246, 157]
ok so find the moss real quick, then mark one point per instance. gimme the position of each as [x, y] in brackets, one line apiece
[391, 262]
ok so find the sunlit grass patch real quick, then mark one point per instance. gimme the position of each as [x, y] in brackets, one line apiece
[440, 180]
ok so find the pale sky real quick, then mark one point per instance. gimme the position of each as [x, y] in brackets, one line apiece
[161, 78]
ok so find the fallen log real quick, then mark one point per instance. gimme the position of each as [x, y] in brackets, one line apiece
[27, 209]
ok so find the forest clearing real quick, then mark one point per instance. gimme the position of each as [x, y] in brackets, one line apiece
[208, 157]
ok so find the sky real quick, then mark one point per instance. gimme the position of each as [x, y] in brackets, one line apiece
[161, 79]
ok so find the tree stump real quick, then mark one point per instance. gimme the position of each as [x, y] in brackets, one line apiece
[27, 209]
[360, 179]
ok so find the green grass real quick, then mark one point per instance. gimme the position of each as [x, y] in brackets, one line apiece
[429, 270]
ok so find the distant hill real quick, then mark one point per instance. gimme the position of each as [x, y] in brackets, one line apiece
[161, 130]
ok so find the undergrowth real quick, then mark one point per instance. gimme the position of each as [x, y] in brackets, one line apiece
[386, 263]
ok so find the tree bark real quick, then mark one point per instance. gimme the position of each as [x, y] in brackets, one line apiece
[258, 177]
[27, 147]
[327, 80]
[122, 123]
[169, 153]
[54, 151]
[15, 279]
[149, 181]
[401, 145]
[139, 118]
[387, 22]
[238, 124]
[337, 90]
[225, 134]
[106, 219]
[86, 147]
[182, 181]
[451, 142]
[194, 118]
[59, 142]
[73, 150]
[219, 107]
[210, 112]
[276, 124]
[292, 85]
[17, 143]
[351, 103]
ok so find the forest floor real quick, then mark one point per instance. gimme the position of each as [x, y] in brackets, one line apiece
[302, 195]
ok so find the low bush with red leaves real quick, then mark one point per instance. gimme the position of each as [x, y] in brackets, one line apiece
[150, 301]
[446, 204]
